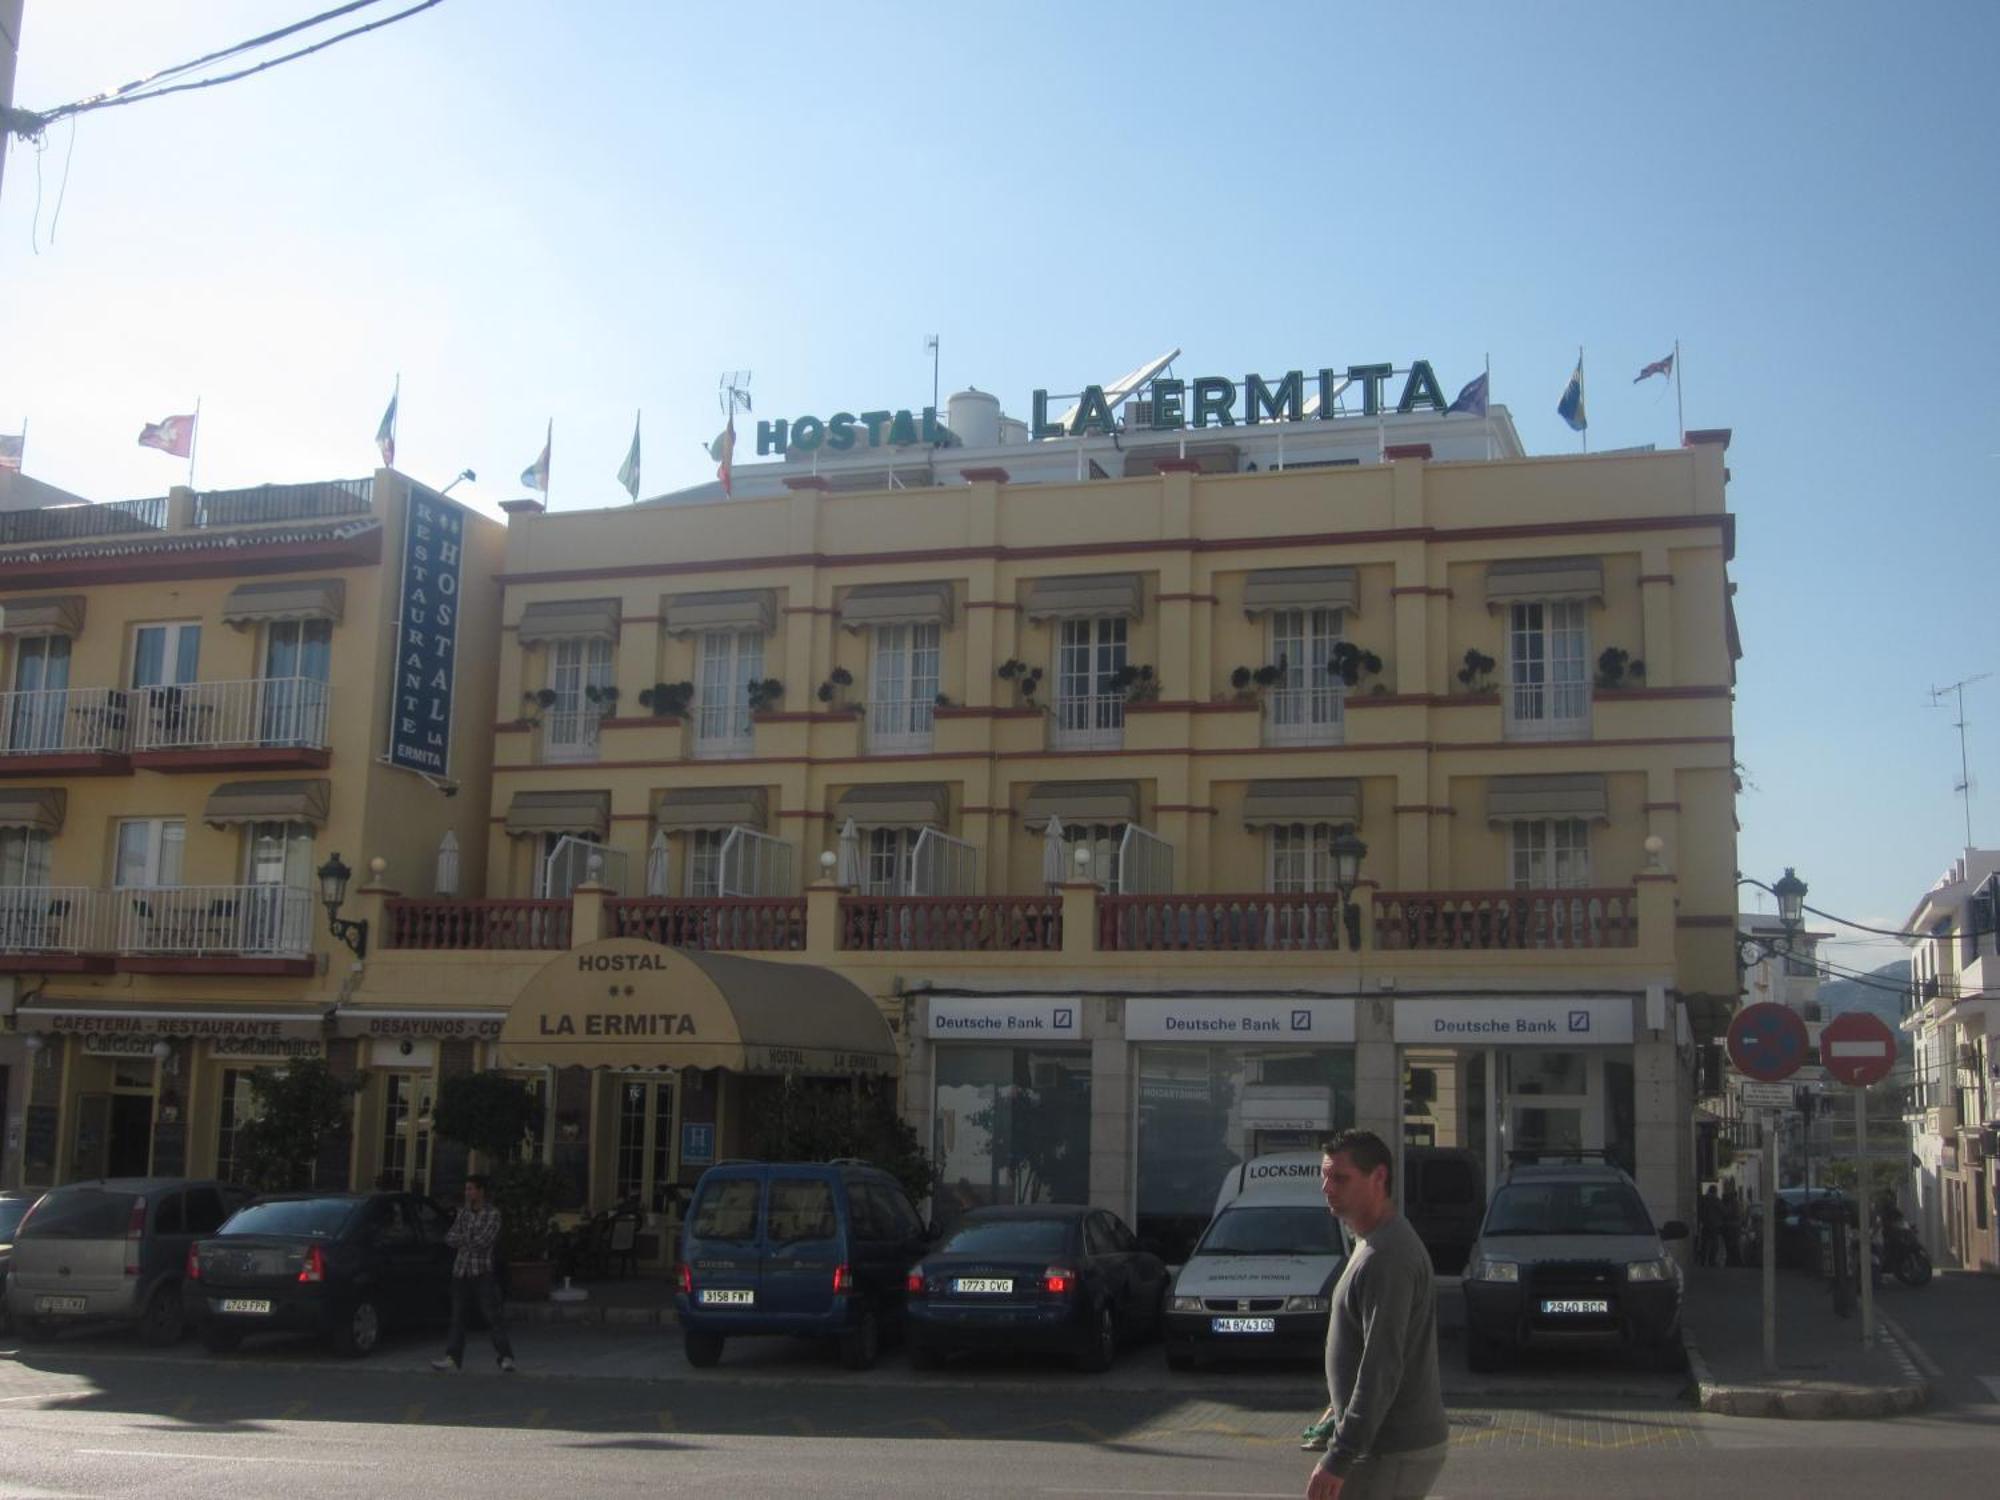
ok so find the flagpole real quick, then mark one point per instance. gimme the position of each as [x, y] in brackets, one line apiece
[1680, 412]
[194, 441]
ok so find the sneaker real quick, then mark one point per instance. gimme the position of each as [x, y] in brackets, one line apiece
[445, 1365]
[506, 1364]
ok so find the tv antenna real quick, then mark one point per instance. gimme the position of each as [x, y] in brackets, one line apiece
[931, 348]
[1964, 787]
[732, 391]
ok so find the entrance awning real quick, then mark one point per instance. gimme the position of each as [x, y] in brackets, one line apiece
[38, 807]
[46, 614]
[286, 599]
[628, 1004]
[273, 1023]
[269, 802]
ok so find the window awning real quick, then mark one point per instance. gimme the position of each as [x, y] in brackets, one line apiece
[45, 614]
[269, 802]
[1328, 800]
[1081, 802]
[1086, 596]
[1270, 589]
[38, 807]
[1528, 799]
[897, 804]
[711, 807]
[560, 812]
[286, 599]
[726, 609]
[676, 1008]
[1525, 580]
[568, 620]
[896, 604]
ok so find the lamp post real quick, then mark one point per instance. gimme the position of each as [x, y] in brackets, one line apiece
[333, 878]
[1348, 851]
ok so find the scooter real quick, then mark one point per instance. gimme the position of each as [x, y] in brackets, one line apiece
[1903, 1254]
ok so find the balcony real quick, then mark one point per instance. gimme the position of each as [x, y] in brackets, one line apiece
[77, 523]
[268, 504]
[722, 731]
[209, 929]
[1305, 716]
[901, 726]
[1255, 923]
[712, 923]
[951, 924]
[1096, 722]
[571, 735]
[1429, 921]
[65, 732]
[264, 723]
[456, 925]
[52, 929]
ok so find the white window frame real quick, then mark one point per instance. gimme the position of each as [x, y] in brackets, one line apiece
[1307, 706]
[1549, 854]
[569, 728]
[27, 856]
[175, 633]
[701, 863]
[1548, 670]
[1106, 842]
[1299, 858]
[888, 857]
[165, 854]
[903, 686]
[726, 663]
[545, 848]
[296, 839]
[1090, 712]
[40, 707]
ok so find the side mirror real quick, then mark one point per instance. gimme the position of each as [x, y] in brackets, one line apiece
[1673, 1229]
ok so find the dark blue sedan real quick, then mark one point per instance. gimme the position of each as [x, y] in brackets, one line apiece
[1038, 1278]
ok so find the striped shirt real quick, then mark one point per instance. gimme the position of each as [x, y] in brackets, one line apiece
[476, 1233]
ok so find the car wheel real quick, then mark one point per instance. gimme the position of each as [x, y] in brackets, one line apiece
[221, 1340]
[164, 1320]
[1482, 1355]
[1914, 1269]
[703, 1350]
[360, 1331]
[1097, 1356]
[860, 1346]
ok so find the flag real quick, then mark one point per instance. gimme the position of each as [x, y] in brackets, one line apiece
[723, 449]
[385, 435]
[628, 472]
[1570, 408]
[536, 475]
[1657, 367]
[1471, 400]
[13, 447]
[173, 435]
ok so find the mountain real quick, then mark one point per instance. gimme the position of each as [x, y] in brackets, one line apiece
[1881, 994]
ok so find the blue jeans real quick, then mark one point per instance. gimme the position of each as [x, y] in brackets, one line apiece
[484, 1290]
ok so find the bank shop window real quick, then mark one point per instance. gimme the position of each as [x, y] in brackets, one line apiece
[1011, 1125]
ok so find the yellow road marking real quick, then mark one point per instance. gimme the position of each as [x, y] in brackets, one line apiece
[665, 1420]
[296, 1410]
[185, 1408]
[414, 1412]
[540, 1414]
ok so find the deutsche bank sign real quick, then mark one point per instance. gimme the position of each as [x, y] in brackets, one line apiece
[427, 635]
[1276, 1022]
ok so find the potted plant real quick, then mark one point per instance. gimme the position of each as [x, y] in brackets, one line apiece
[1026, 679]
[1137, 683]
[1619, 669]
[667, 700]
[765, 695]
[603, 699]
[1349, 663]
[831, 691]
[537, 702]
[1476, 676]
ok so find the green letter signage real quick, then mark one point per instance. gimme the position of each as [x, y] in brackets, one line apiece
[1214, 397]
[1421, 386]
[1371, 378]
[1093, 413]
[1285, 404]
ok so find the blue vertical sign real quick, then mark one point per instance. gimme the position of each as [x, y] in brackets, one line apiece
[427, 635]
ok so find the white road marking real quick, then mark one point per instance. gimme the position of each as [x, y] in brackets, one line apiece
[224, 1458]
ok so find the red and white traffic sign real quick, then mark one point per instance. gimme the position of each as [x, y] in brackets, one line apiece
[1768, 1042]
[1857, 1048]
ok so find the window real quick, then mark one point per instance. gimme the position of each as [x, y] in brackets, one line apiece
[279, 854]
[1305, 704]
[730, 661]
[801, 1208]
[727, 1210]
[149, 852]
[298, 656]
[24, 857]
[1548, 691]
[903, 687]
[164, 655]
[1106, 842]
[702, 861]
[559, 871]
[41, 687]
[406, 1139]
[1302, 858]
[629, 1178]
[1090, 709]
[577, 669]
[235, 1109]
[890, 861]
[1551, 855]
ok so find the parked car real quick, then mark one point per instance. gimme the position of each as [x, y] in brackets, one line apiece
[1040, 1277]
[13, 1208]
[1567, 1255]
[809, 1249]
[341, 1266]
[1259, 1283]
[112, 1251]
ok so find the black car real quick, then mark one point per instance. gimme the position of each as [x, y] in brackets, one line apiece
[1040, 1277]
[13, 1208]
[342, 1266]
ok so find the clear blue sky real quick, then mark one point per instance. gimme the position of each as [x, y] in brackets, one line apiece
[537, 211]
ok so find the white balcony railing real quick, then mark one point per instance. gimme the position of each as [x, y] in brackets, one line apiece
[571, 736]
[1096, 722]
[722, 729]
[51, 919]
[258, 920]
[901, 725]
[64, 721]
[261, 712]
[1304, 716]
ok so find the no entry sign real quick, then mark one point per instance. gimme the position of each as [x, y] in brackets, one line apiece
[1857, 1048]
[1767, 1042]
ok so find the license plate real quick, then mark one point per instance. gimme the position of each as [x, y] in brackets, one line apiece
[1242, 1325]
[257, 1305]
[60, 1304]
[983, 1284]
[728, 1299]
[1585, 1305]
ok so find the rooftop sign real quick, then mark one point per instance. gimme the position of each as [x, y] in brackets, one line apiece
[1212, 400]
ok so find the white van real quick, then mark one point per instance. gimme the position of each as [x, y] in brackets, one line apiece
[1260, 1280]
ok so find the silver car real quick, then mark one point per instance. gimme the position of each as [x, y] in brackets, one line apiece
[112, 1251]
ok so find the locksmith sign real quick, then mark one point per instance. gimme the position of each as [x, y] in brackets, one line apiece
[426, 635]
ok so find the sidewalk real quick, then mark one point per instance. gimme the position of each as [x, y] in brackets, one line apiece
[1823, 1371]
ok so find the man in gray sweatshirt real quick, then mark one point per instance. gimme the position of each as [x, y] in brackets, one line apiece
[1381, 1345]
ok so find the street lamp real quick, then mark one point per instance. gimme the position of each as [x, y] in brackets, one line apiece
[333, 878]
[1790, 892]
[1348, 851]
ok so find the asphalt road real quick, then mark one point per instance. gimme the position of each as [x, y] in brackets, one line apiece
[95, 1417]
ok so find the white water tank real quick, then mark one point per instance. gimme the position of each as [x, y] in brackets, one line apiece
[1012, 430]
[975, 417]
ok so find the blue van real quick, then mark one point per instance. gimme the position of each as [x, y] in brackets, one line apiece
[808, 1249]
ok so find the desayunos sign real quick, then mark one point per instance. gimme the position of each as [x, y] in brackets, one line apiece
[427, 635]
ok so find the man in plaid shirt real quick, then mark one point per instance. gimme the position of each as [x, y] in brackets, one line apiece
[475, 1234]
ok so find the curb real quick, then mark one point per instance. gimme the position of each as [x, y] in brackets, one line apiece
[1825, 1401]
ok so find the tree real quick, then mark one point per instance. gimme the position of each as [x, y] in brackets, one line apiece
[809, 1123]
[293, 1112]
[485, 1112]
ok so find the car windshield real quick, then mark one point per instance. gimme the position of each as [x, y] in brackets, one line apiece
[310, 1218]
[80, 1213]
[1293, 1230]
[1567, 1208]
[12, 1211]
[1030, 1237]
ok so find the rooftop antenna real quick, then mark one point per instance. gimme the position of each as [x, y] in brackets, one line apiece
[1964, 787]
[732, 391]
[931, 348]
